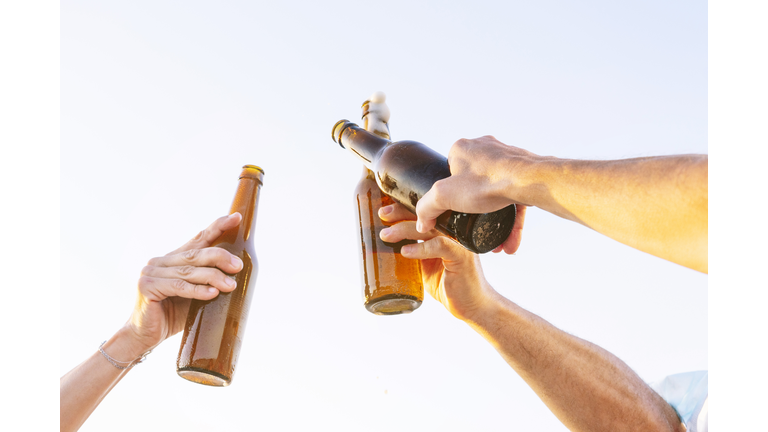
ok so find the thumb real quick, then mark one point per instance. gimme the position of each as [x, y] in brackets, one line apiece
[434, 203]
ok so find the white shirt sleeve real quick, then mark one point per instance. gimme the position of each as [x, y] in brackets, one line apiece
[687, 393]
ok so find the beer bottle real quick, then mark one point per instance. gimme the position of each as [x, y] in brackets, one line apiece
[214, 329]
[391, 283]
[406, 170]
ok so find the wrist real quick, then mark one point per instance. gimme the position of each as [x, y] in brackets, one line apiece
[531, 179]
[125, 345]
[497, 313]
[488, 306]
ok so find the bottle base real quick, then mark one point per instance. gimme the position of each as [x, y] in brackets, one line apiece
[202, 376]
[393, 304]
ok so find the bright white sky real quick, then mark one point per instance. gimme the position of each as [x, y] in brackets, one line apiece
[163, 102]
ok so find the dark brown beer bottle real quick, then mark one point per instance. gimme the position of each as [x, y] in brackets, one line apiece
[406, 170]
[214, 329]
[391, 283]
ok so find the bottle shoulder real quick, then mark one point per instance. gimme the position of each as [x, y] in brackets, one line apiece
[411, 149]
[403, 144]
[407, 156]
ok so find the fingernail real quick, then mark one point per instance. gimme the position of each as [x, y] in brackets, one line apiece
[385, 232]
[231, 282]
[212, 290]
[237, 262]
[419, 226]
[406, 250]
[385, 210]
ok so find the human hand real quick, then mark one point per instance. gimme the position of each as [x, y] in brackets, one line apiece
[485, 177]
[167, 284]
[450, 273]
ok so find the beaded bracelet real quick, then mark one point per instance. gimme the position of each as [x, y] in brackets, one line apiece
[128, 363]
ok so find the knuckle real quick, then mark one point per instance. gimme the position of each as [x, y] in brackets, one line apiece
[186, 270]
[460, 144]
[440, 191]
[459, 148]
[210, 275]
[179, 285]
[199, 236]
[191, 254]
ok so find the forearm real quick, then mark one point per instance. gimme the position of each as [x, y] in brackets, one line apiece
[84, 387]
[658, 205]
[586, 387]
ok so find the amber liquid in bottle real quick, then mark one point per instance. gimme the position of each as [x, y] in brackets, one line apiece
[392, 284]
[214, 329]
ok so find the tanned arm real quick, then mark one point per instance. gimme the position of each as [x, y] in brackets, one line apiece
[658, 205]
[585, 386]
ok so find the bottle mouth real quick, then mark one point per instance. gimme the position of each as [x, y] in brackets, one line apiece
[257, 168]
[338, 129]
[248, 172]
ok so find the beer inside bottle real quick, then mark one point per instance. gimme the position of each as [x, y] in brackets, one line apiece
[391, 283]
[406, 170]
[214, 329]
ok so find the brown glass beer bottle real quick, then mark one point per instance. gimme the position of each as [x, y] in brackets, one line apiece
[214, 329]
[406, 170]
[391, 283]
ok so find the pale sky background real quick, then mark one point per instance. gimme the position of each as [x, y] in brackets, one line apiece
[163, 102]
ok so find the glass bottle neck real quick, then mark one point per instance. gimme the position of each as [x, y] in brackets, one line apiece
[375, 125]
[246, 202]
[362, 143]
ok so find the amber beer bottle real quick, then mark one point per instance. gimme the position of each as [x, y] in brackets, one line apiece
[391, 283]
[214, 329]
[406, 170]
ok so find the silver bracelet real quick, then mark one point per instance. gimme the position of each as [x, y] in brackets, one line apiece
[128, 363]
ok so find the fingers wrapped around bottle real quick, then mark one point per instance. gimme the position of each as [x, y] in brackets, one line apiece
[194, 273]
[452, 274]
[397, 213]
[206, 237]
[434, 244]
